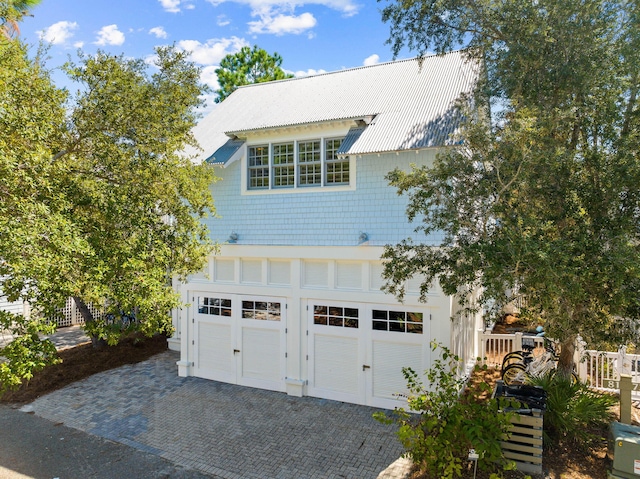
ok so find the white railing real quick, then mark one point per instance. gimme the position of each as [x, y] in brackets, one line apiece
[493, 347]
[600, 369]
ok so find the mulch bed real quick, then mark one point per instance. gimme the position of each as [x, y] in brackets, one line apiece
[82, 361]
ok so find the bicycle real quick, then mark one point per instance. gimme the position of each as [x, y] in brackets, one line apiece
[546, 363]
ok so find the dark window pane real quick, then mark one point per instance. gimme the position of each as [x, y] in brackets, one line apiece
[380, 325]
[318, 319]
[333, 321]
[414, 328]
[415, 317]
[226, 303]
[393, 326]
[350, 323]
[377, 314]
[247, 305]
[203, 310]
[226, 312]
[396, 315]
[320, 309]
[248, 314]
[350, 312]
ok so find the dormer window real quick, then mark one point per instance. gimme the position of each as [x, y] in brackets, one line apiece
[296, 164]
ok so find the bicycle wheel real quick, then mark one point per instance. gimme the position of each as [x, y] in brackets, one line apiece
[512, 358]
[574, 377]
[514, 374]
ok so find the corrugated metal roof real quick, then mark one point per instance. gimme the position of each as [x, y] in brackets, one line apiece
[412, 103]
[225, 152]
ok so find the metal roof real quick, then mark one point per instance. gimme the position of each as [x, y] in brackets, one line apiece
[412, 103]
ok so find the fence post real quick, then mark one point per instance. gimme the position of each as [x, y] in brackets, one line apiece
[625, 398]
[624, 367]
[580, 360]
[517, 342]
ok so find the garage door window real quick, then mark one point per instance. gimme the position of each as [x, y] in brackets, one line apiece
[214, 306]
[397, 321]
[261, 310]
[335, 316]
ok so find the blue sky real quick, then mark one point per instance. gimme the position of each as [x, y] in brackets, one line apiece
[312, 36]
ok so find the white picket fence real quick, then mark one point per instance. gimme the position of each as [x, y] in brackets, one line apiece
[600, 369]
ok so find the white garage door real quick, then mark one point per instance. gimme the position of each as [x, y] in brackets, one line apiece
[357, 352]
[240, 339]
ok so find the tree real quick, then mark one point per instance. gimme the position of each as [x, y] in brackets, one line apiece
[245, 67]
[542, 197]
[11, 12]
[98, 202]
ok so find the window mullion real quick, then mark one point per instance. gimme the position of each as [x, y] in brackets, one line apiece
[323, 158]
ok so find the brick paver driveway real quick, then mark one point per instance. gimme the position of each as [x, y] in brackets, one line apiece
[225, 430]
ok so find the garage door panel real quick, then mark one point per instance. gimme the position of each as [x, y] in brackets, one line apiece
[388, 360]
[261, 354]
[214, 351]
[336, 363]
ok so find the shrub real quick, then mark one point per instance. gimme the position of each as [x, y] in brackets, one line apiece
[441, 425]
[575, 415]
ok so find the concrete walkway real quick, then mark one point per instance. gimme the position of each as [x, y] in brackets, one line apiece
[224, 430]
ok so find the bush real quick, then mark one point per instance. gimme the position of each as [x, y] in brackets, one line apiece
[575, 414]
[441, 425]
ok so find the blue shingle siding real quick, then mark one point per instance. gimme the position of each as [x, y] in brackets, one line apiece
[331, 218]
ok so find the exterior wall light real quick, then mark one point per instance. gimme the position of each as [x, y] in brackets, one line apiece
[233, 237]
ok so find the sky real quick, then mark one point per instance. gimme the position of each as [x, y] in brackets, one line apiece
[312, 36]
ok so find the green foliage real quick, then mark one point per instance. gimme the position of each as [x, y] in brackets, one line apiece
[99, 202]
[575, 414]
[27, 353]
[449, 423]
[11, 12]
[245, 67]
[540, 197]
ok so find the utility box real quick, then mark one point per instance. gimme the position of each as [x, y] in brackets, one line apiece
[624, 451]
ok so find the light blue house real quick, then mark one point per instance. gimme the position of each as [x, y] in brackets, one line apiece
[292, 302]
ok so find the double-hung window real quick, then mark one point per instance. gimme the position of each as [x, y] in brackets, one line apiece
[296, 164]
[258, 161]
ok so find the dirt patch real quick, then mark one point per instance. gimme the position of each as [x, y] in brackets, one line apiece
[83, 361]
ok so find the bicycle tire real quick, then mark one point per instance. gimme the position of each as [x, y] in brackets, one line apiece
[514, 374]
[512, 358]
[574, 377]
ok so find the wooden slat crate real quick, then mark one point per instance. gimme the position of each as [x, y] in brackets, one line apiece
[524, 443]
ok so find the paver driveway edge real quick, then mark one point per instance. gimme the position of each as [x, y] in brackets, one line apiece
[227, 430]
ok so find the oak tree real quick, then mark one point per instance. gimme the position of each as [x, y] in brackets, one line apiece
[98, 201]
[541, 197]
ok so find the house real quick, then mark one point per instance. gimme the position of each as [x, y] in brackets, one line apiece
[293, 300]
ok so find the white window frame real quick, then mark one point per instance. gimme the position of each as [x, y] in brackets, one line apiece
[275, 176]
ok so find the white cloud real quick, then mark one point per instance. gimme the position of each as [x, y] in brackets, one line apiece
[214, 50]
[159, 32]
[222, 20]
[309, 72]
[347, 7]
[110, 35]
[208, 77]
[172, 6]
[58, 33]
[371, 60]
[78, 44]
[281, 24]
